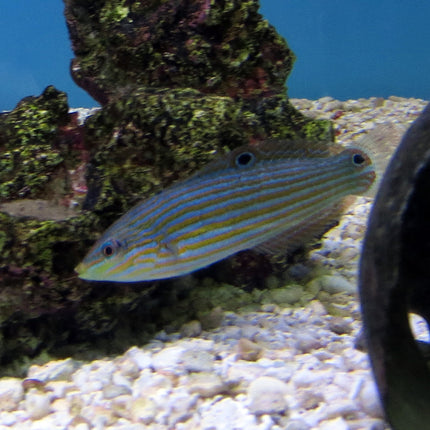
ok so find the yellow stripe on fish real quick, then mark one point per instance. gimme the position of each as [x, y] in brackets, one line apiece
[242, 200]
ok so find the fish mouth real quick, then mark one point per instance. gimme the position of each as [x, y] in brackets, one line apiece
[80, 269]
[86, 272]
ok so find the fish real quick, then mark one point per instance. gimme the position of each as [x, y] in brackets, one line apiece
[259, 196]
[43, 210]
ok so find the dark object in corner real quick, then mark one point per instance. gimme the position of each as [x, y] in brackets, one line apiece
[394, 280]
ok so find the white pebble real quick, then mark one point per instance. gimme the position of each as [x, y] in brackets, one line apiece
[180, 407]
[341, 408]
[242, 371]
[44, 423]
[143, 359]
[11, 393]
[95, 376]
[7, 418]
[111, 391]
[37, 404]
[308, 342]
[149, 383]
[334, 284]
[227, 414]
[419, 327]
[143, 410]
[369, 424]
[119, 379]
[297, 424]
[81, 426]
[306, 378]
[336, 424]
[60, 370]
[369, 399]
[325, 99]
[267, 396]
[197, 361]
[205, 384]
[168, 359]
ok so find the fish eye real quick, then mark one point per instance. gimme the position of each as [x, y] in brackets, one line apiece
[245, 159]
[110, 248]
[358, 159]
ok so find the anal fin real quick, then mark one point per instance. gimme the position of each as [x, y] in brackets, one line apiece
[311, 228]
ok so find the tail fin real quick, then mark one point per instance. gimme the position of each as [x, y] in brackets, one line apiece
[379, 144]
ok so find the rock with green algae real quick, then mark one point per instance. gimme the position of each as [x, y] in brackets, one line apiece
[218, 47]
[29, 159]
[178, 81]
[43, 236]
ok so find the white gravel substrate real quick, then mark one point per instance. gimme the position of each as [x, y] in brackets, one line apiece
[280, 368]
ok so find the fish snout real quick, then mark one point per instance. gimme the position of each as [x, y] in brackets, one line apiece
[80, 269]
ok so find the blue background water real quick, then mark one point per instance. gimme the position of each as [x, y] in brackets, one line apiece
[345, 49]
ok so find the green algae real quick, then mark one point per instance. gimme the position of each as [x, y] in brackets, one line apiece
[28, 160]
[113, 11]
[224, 47]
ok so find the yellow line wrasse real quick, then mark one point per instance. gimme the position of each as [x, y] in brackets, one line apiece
[249, 198]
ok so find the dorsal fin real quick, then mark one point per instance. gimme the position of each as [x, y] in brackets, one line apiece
[292, 149]
[267, 150]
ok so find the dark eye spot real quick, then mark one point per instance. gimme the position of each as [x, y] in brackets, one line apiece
[358, 159]
[245, 159]
[110, 248]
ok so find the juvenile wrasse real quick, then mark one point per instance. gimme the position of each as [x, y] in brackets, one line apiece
[246, 199]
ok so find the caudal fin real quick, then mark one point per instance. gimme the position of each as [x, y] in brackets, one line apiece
[379, 144]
